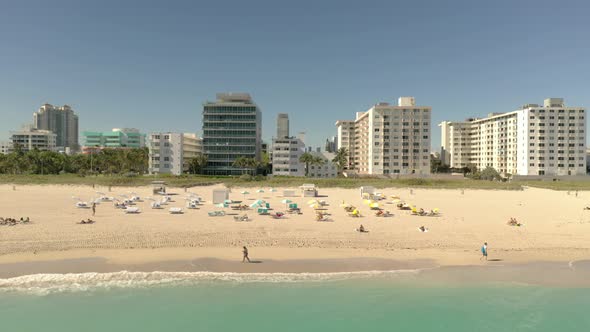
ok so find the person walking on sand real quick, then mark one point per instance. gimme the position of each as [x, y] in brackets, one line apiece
[245, 252]
[93, 209]
[484, 251]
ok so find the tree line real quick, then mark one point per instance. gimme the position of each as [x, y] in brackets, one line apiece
[107, 161]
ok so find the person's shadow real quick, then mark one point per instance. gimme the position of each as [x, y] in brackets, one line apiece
[495, 260]
[255, 262]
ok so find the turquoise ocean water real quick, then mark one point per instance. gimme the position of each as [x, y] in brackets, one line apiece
[373, 303]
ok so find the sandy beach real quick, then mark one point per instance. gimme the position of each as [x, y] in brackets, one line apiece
[555, 228]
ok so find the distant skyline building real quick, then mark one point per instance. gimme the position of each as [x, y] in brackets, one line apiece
[232, 128]
[388, 139]
[171, 153]
[115, 139]
[30, 138]
[62, 121]
[331, 144]
[548, 139]
[282, 125]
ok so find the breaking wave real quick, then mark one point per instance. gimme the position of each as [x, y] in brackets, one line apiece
[45, 284]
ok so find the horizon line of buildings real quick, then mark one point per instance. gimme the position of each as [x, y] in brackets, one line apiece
[385, 140]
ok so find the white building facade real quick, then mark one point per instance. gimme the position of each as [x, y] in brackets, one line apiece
[30, 138]
[327, 170]
[548, 139]
[5, 147]
[388, 139]
[285, 156]
[170, 153]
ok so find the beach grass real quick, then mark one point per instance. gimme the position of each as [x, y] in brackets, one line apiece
[200, 180]
[197, 180]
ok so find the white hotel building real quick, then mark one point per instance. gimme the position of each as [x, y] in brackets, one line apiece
[388, 139]
[170, 153]
[534, 140]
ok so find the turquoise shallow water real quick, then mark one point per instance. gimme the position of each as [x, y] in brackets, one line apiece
[371, 304]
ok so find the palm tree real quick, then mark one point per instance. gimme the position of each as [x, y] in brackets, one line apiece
[341, 159]
[197, 164]
[306, 158]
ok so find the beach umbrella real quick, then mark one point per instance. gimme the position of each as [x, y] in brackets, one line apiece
[286, 201]
[220, 205]
[254, 205]
[368, 202]
[245, 193]
[260, 201]
[313, 201]
[227, 201]
[374, 205]
[315, 206]
[260, 190]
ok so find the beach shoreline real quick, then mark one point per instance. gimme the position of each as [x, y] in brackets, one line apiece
[555, 228]
[424, 272]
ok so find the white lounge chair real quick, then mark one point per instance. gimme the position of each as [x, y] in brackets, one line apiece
[132, 209]
[82, 205]
[156, 205]
[175, 210]
[192, 205]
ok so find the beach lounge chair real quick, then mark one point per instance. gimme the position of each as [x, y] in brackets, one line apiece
[131, 210]
[82, 205]
[156, 205]
[355, 213]
[277, 215]
[262, 211]
[241, 218]
[192, 204]
[175, 210]
[216, 213]
[322, 217]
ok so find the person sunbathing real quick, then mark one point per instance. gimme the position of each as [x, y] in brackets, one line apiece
[379, 213]
[513, 222]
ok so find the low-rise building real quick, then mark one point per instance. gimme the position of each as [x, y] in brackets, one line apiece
[117, 138]
[170, 153]
[5, 147]
[30, 138]
[326, 170]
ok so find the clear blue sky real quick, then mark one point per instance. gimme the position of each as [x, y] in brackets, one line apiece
[151, 64]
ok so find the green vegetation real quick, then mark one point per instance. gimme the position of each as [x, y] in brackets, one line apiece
[253, 181]
[107, 161]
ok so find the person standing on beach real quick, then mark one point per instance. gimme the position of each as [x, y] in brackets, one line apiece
[245, 252]
[93, 209]
[484, 251]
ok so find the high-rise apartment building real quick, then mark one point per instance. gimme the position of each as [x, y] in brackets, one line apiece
[115, 139]
[170, 153]
[31, 138]
[62, 121]
[388, 139]
[548, 139]
[282, 125]
[231, 129]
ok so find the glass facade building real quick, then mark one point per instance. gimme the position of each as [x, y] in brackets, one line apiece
[231, 129]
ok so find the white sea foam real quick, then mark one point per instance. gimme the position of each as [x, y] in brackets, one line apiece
[44, 284]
